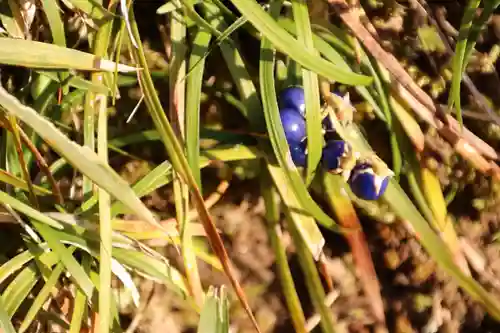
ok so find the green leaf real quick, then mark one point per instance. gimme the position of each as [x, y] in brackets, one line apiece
[158, 269]
[52, 12]
[329, 45]
[81, 157]
[66, 256]
[25, 209]
[285, 43]
[311, 275]
[14, 264]
[214, 317]
[193, 90]
[311, 91]
[477, 26]
[41, 297]
[76, 82]
[92, 8]
[237, 67]
[80, 307]
[16, 182]
[32, 54]
[18, 290]
[170, 6]
[459, 59]
[5, 323]
[278, 140]
[275, 238]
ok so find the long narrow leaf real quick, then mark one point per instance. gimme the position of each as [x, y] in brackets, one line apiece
[284, 42]
[278, 140]
[459, 58]
[20, 52]
[65, 255]
[5, 322]
[82, 158]
[311, 90]
[181, 165]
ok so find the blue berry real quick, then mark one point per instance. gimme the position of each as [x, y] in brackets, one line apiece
[298, 152]
[327, 124]
[333, 153]
[293, 98]
[294, 125]
[366, 184]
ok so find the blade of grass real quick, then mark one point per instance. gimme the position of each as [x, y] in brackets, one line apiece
[214, 317]
[181, 165]
[73, 267]
[93, 9]
[278, 140]
[237, 68]
[155, 268]
[42, 297]
[32, 54]
[393, 126]
[322, 44]
[177, 75]
[285, 275]
[18, 290]
[441, 221]
[13, 126]
[311, 91]
[305, 223]
[194, 84]
[75, 82]
[94, 276]
[311, 275]
[221, 38]
[5, 322]
[476, 27]
[51, 10]
[10, 21]
[14, 264]
[99, 106]
[94, 102]
[25, 209]
[81, 157]
[284, 42]
[105, 227]
[80, 305]
[459, 59]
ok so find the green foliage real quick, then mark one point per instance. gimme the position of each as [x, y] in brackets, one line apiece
[76, 237]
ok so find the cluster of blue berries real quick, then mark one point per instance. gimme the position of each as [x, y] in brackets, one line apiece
[363, 176]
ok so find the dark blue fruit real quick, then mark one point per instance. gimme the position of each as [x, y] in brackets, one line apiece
[298, 152]
[366, 184]
[333, 153]
[294, 125]
[293, 98]
[327, 124]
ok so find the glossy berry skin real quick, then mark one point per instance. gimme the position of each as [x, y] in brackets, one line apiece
[366, 184]
[327, 124]
[333, 153]
[298, 152]
[293, 98]
[294, 125]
